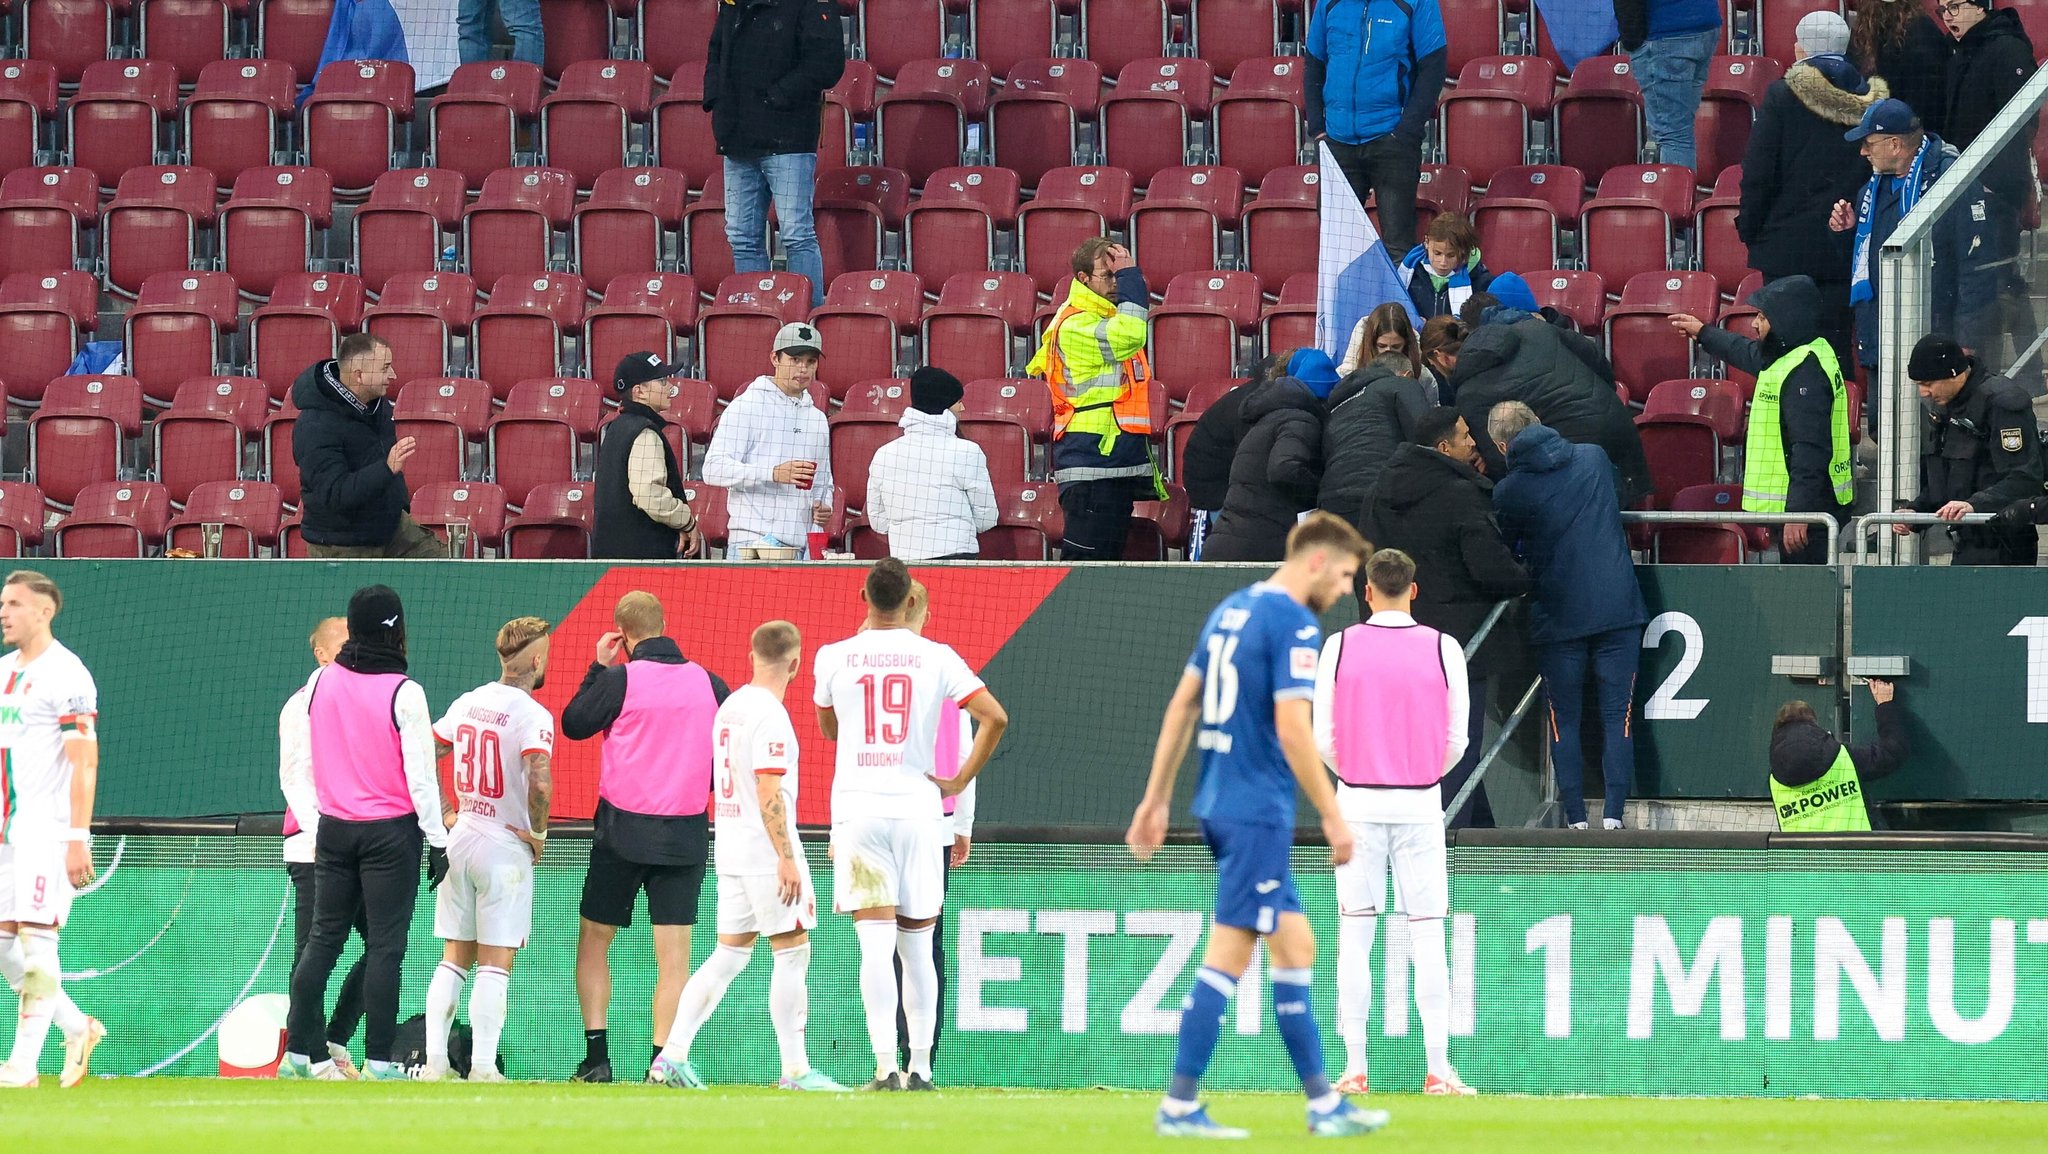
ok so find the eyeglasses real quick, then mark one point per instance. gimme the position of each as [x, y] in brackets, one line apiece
[1953, 8]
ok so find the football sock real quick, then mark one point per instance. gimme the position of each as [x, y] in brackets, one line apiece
[444, 993]
[1298, 1030]
[68, 1017]
[487, 1016]
[594, 1048]
[920, 996]
[41, 985]
[701, 995]
[1355, 933]
[789, 1007]
[1432, 990]
[878, 986]
[1201, 1023]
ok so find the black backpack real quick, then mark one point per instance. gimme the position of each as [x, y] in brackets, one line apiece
[409, 1047]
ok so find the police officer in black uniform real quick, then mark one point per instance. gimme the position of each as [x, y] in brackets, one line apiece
[1980, 451]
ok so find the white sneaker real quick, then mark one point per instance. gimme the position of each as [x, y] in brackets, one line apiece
[339, 1055]
[1578, 825]
[485, 1074]
[1447, 1085]
[78, 1050]
[13, 1077]
[1610, 823]
[436, 1070]
[328, 1072]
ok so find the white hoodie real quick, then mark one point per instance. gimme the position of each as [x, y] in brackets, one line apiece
[929, 489]
[762, 428]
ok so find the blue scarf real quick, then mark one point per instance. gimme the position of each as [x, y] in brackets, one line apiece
[1860, 289]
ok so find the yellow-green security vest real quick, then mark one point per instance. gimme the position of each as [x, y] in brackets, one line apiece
[1835, 802]
[1765, 479]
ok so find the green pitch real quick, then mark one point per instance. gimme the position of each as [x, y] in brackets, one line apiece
[174, 1116]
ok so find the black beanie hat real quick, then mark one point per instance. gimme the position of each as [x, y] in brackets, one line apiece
[376, 617]
[934, 390]
[1937, 358]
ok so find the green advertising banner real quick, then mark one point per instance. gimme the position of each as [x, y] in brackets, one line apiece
[1715, 972]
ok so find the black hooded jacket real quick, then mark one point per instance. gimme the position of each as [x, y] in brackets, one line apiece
[1798, 166]
[1802, 752]
[1373, 412]
[350, 495]
[1990, 63]
[1205, 463]
[1273, 477]
[1806, 404]
[766, 74]
[1916, 69]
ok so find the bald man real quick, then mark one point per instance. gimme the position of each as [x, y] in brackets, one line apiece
[301, 820]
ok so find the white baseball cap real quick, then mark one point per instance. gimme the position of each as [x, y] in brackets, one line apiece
[798, 337]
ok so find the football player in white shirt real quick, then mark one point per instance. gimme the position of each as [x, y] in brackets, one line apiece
[764, 884]
[504, 744]
[49, 772]
[878, 695]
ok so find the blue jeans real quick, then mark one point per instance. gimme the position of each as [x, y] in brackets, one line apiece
[522, 20]
[1611, 659]
[790, 178]
[1671, 72]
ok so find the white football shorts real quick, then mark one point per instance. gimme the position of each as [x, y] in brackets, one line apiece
[889, 861]
[34, 885]
[748, 904]
[487, 896]
[1421, 866]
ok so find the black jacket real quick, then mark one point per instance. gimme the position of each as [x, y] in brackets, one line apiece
[1372, 413]
[1557, 509]
[1798, 166]
[1982, 447]
[1514, 356]
[350, 495]
[1916, 69]
[1806, 403]
[1205, 463]
[1990, 63]
[1274, 475]
[1802, 752]
[766, 74]
[622, 531]
[1439, 511]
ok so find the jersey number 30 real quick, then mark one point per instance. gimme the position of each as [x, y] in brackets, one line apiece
[478, 769]
[1219, 688]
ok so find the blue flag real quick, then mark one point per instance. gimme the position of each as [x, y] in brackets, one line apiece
[1579, 28]
[421, 33]
[1354, 273]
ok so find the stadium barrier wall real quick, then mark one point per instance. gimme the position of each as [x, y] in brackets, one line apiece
[1718, 968]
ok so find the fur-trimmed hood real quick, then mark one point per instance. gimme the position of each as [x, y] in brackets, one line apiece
[1835, 105]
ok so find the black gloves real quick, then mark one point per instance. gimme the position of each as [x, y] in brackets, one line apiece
[437, 866]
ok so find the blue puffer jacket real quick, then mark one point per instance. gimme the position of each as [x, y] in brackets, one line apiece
[1369, 54]
[1558, 512]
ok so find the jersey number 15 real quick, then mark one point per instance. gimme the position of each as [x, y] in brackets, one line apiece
[1219, 688]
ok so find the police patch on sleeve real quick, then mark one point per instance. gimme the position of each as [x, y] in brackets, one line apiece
[2009, 440]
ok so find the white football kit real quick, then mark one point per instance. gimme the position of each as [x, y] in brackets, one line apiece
[753, 737]
[43, 704]
[886, 687]
[487, 896]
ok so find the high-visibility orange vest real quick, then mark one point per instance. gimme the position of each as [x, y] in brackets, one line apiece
[1132, 408]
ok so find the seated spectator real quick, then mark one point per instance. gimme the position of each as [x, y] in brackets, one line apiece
[1817, 779]
[929, 490]
[1980, 452]
[1558, 511]
[1279, 464]
[1442, 337]
[1373, 412]
[772, 451]
[1445, 268]
[351, 459]
[1385, 329]
[1431, 504]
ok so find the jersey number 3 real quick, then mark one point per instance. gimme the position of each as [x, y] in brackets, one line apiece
[478, 769]
[1219, 688]
[894, 700]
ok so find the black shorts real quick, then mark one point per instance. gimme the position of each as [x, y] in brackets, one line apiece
[612, 883]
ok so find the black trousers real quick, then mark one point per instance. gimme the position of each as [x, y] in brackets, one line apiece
[939, 961]
[348, 1005]
[1098, 518]
[374, 865]
[1390, 168]
[1476, 814]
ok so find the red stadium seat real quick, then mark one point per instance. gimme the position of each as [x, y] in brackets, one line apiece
[1145, 121]
[1258, 120]
[519, 334]
[1599, 117]
[1519, 218]
[267, 227]
[1682, 451]
[464, 402]
[1721, 402]
[852, 210]
[1721, 250]
[1194, 334]
[152, 226]
[81, 434]
[189, 34]
[402, 226]
[952, 228]
[1120, 32]
[1021, 401]
[1035, 122]
[572, 31]
[554, 523]
[174, 331]
[640, 313]
[1644, 347]
[350, 124]
[1576, 293]
[474, 128]
[114, 519]
[1008, 33]
[1157, 526]
[42, 317]
[304, 322]
[248, 512]
[708, 503]
[1291, 322]
[1780, 23]
[922, 122]
[673, 33]
[71, 34]
[692, 411]
[479, 505]
[1734, 91]
[973, 328]
[1472, 29]
[1442, 188]
[1281, 225]
[21, 517]
[201, 437]
[682, 128]
[1721, 499]
[1028, 523]
[882, 399]
[511, 227]
[631, 223]
[232, 117]
[1229, 32]
[733, 335]
[1485, 119]
[535, 441]
[115, 122]
[43, 211]
[1628, 227]
[1698, 545]
[1178, 227]
[1072, 205]
[294, 31]
[28, 111]
[586, 127]
[848, 104]
[863, 321]
[419, 316]
[899, 33]
[854, 441]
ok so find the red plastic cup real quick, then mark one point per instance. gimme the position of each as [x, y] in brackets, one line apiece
[817, 543]
[804, 482]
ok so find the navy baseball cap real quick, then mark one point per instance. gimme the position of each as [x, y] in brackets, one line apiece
[1888, 117]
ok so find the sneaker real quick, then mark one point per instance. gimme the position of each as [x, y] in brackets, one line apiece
[13, 1077]
[1578, 825]
[485, 1074]
[814, 1079]
[917, 1082]
[1610, 823]
[1194, 1124]
[1448, 1086]
[373, 1072]
[589, 1071]
[1353, 1084]
[293, 1068]
[78, 1050]
[674, 1075]
[1345, 1121]
[436, 1070]
[890, 1081]
[347, 1065]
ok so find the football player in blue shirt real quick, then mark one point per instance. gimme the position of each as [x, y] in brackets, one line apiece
[1248, 687]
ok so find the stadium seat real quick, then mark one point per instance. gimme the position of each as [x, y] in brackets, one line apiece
[1682, 451]
[519, 334]
[248, 512]
[847, 125]
[1145, 121]
[1779, 20]
[1722, 252]
[474, 128]
[881, 399]
[587, 126]
[1642, 344]
[1522, 213]
[1072, 204]
[1008, 33]
[1441, 188]
[672, 33]
[555, 523]
[267, 227]
[1734, 91]
[864, 319]
[419, 315]
[43, 214]
[1721, 402]
[1698, 545]
[232, 116]
[972, 330]
[645, 312]
[952, 228]
[573, 31]
[1028, 523]
[1035, 121]
[279, 467]
[853, 209]
[899, 33]
[188, 34]
[1158, 526]
[201, 437]
[692, 411]
[630, 225]
[708, 502]
[479, 505]
[113, 519]
[80, 435]
[1117, 33]
[511, 227]
[1194, 334]
[28, 112]
[153, 224]
[536, 439]
[1576, 293]
[1021, 401]
[1289, 323]
[401, 228]
[350, 124]
[733, 335]
[1179, 226]
[1599, 117]
[1258, 119]
[21, 517]
[42, 319]
[682, 128]
[1472, 29]
[1229, 32]
[1485, 120]
[116, 121]
[444, 416]
[303, 323]
[70, 34]
[294, 31]
[1629, 226]
[174, 331]
[922, 122]
[1282, 223]
[854, 441]
[1722, 499]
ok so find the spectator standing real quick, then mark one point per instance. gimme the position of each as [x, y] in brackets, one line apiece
[521, 19]
[1558, 510]
[1796, 457]
[1205, 461]
[1817, 779]
[1386, 329]
[772, 450]
[1433, 505]
[1993, 58]
[641, 511]
[1373, 412]
[765, 76]
[1898, 40]
[1442, 339]
[1445, 268]
[929, 490]
[1797, 166]
[351, 460]
[1374, 71]
[1670, 43]
[1093, 359]
[1279, 465]
[654, 707]
[1980, 451]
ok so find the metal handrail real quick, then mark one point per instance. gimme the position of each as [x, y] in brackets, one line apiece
[1500, 741]
[1486, 627]
[1736, 517]
[1869, 520]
